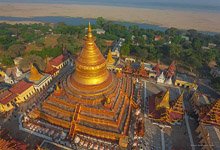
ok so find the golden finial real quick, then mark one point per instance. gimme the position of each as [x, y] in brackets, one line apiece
[89, 34]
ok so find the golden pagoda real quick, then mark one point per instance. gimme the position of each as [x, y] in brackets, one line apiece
[34, 74]
[94, 102]
[90, 65]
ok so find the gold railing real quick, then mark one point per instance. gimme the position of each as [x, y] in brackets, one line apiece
[56, 109]
[98, 133]
[52, 120]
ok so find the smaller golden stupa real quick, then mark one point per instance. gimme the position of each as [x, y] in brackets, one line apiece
[110, 60]
[34, 74]
[58, 90]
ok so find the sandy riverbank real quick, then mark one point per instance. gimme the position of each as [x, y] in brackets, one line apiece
[19, 22]
[203, 21]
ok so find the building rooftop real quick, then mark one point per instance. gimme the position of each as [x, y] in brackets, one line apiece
[6, 96]
[58, 60]
[20, 87]
[184, 77]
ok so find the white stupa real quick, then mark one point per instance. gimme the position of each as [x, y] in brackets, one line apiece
[18, 73]
[169, 81]
[161, 78]
[8, 79]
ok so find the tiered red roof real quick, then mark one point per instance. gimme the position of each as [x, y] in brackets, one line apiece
[157, 69]
[6, 97]
[155, 113]
[212, 115]
[176, 111]
[58, 60]
[20, 87]
[171, 70]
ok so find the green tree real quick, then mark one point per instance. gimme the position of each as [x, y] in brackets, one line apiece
[100, 22]
[125, 50]
[6, 60]
[174, 51]
[196, 44]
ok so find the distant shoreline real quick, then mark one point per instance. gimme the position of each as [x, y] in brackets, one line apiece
[202, 21]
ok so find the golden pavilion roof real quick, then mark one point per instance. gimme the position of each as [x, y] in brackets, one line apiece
[165, 100]
[90, 65]
[34, 74]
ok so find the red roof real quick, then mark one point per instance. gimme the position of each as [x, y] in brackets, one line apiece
[20, 87]
[58, 60]
[6, 97]
[50, 69]
[175, 116]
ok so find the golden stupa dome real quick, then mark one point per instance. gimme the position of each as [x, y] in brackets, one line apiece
[34, 74]
[90, 65]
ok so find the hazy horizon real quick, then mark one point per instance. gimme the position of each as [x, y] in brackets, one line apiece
[201, 5]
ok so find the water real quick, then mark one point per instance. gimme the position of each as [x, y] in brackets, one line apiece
[77, 21]
[195, 5]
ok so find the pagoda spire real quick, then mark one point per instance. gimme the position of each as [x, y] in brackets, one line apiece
[156, 68]
[91, 66]
[171, 70]
[89, 33]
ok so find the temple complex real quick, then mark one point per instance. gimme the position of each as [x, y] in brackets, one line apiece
[92, 102]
